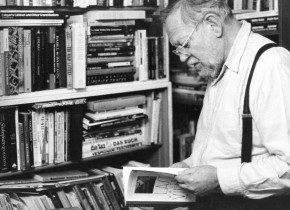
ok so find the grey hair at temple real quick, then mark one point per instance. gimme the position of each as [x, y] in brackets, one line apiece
[194, 10]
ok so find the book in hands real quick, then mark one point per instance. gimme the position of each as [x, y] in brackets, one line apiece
[154, 186]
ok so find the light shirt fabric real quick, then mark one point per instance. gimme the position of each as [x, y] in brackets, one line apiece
[219, 130]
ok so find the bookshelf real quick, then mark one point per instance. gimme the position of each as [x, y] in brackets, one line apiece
[157, 155]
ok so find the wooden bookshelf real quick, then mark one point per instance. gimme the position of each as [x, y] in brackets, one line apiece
[156, 155]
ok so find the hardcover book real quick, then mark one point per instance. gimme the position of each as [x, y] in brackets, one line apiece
[60, 175]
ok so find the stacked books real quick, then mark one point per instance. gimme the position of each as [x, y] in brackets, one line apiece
[112, 125]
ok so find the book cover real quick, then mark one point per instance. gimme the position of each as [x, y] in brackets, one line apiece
[79, 55]
[13, 38]
[110, 145]
[114, 15]
[27, 61]
[60, 175]
[153, 186]
[80, 194]
[97, 116]
[4, 142]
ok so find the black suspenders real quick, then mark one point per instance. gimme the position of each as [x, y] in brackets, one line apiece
[247, 117]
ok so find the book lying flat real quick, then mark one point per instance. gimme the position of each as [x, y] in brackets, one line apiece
[153, 186]
[60, 175]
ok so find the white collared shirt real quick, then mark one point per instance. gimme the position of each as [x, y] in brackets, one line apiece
[219, 129]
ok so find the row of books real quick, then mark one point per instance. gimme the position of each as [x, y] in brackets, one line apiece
[254, 5]
[79, 3]
[262, 24]
[40, 135]
[91, 189]
[50, 133]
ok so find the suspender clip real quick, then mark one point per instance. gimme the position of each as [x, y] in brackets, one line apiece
[249, 115]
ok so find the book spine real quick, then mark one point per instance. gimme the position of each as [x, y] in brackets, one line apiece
[103, 46]
[79, 56]
[57, 56]
[99, 194]
[12, 138]
[30, 15]
[2, 69]
[13, 38]
[4, 143]
[98, 66]
[36, 141]
[76, 138]
[51, 56]
[117, 48]
[116, 103]
[6, 60]
[111, 71]
[110, 78]
[51, 137]
[22, 147]
[21, 59]
[27, 61]
[109, 146]
[110, 30]
[84, 202]
[109, 54]
[117, 190]
[69, 62]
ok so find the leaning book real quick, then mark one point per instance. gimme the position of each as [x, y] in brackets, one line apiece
[154, 187]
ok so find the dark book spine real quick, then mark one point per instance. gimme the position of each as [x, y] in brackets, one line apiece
[22, 147]
[76, 138]
[33, 59]
[51, 50]
[24, 120]
[12, 139]
[110, 78]
[30, 149]
[57, 58]
[117, 190]
[80, 194]
[111, 30]
[110, 54]
[111, 44]
[4, 143]
[110, 193]
[106, 197]
[111, 49]
[52, 194]
[61, 58]
[28, 15]
[38, 61]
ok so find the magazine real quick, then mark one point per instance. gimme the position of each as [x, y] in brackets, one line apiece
[154, 186]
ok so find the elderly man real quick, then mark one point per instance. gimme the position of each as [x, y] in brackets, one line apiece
[212, 42]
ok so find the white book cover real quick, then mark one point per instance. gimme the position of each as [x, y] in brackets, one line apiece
[79, 55]
[114, 14]
[27, 61]
[115, 113]
[141, 54]
[51, 138]
[155, 119]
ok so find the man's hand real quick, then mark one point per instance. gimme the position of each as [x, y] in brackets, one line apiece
[200, 180]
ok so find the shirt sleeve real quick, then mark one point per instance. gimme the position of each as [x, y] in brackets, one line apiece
[270, 106]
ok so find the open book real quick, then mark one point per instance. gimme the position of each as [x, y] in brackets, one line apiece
[151, 186]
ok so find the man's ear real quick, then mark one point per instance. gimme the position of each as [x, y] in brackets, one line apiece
[214, 23]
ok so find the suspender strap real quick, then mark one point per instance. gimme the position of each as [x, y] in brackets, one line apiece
[247, 116]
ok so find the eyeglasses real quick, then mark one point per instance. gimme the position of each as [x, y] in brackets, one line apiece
[180, 50]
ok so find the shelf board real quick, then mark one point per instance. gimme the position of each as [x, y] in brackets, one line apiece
[89, 91]
[70, 163]
[249, 15]
[75, 9]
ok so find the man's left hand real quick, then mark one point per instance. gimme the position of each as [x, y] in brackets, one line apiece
[200, 180]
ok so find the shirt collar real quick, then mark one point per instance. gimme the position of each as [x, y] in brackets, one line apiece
[233, 60]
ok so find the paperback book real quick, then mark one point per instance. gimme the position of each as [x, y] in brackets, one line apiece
[153, 186]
